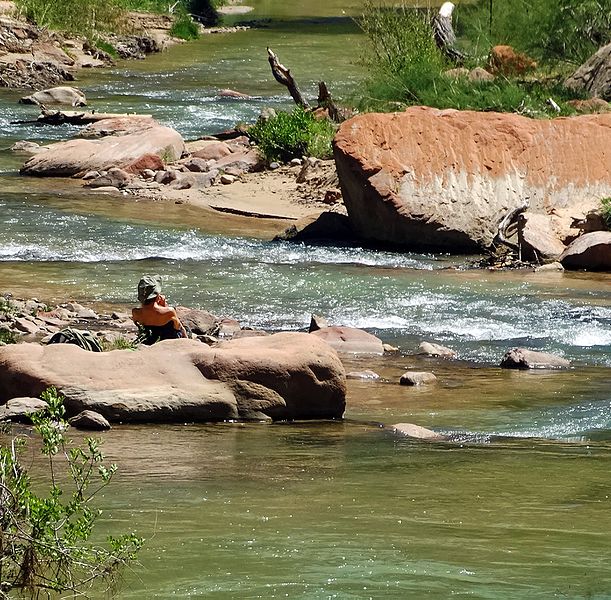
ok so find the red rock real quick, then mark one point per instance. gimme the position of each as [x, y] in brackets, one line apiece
[504, 60]
[446, 178]
[350, 340]
[150, 162]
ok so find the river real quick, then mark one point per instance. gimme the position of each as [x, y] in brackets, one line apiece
[516, 507]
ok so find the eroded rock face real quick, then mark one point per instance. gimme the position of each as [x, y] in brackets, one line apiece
[66, 159]
[287, 375]
[446, 178]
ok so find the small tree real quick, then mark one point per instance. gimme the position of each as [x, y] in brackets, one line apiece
[44, 547]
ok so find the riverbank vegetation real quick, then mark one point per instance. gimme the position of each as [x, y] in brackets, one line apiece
[408, 68]
[46, 521]
[92, 18]
[292, 135]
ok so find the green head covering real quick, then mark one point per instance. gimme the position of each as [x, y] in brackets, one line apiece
[149, 287]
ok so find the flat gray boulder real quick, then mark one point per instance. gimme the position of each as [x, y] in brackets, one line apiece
[19, 410]
[594, 76]
[284, 376]
[521, 358]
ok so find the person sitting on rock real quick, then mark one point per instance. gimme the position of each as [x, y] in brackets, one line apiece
[157, 320]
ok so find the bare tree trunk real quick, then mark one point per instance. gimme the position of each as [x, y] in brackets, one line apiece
[326, 101]
[283, 76]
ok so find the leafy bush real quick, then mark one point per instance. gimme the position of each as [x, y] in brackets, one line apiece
[565, 30]
[45, 549]
[293, 135]
[7, 336]
[605, 206]
[184, 27]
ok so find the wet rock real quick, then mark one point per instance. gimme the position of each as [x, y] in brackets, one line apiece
[317, 322]
[417, 432]
[350, 340]
[591, 251]
[521, 358]
[390, 349]
[27, 147]
[366, 375]
[233, 94]
[63, 95]
[431, 349]
[549, 268]
[324, 226]
[89, 420]
[417, 378]
[18, 410]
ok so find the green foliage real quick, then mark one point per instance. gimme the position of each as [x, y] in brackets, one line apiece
[408, 69]
[564, 30]
[85, 17]
[44, 537]
[184, 27]
[293, 135]
[107, 47]
[7, 336]
[605, 207]
[6, 308]
[120, 343]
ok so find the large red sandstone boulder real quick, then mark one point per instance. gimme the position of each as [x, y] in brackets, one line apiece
[284, 376]
[66, 159]
[446, 178]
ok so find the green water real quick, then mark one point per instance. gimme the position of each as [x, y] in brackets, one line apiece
[516, 506]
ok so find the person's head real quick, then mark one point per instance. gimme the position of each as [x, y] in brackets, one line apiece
[149, 288]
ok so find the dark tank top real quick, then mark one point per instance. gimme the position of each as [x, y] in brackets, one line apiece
[156, 333]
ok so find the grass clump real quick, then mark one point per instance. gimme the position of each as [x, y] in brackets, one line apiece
[605, 208]
[120, 343]
[7, 336]
[79, 17]
[293, 135]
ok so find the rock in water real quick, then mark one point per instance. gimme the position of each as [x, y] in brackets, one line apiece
[417, 378]
[445, 178]
[63, 94]
[520, 358]
[591, 251]
[350, 340]
[285, 376]
[66, 159]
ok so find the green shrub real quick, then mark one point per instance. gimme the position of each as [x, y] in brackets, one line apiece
[45, 528]
[605, 207]
[293, 135]
[7, 336]
[120, 343]
[184, 27]
[564, 30]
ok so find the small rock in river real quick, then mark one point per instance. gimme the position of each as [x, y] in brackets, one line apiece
[417, 378]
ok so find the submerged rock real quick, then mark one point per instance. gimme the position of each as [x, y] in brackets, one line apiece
[418, 432]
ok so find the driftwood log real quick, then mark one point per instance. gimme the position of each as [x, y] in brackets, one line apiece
[59, 117]
[283, 76]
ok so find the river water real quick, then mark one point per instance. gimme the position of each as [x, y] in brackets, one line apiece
[516, 506]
